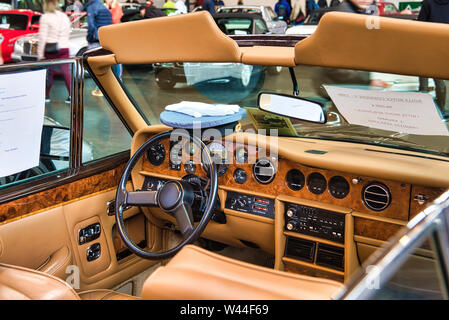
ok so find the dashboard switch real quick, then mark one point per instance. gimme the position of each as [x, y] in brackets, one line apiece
[291, 212]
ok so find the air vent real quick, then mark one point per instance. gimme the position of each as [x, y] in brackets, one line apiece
[330, 256]
[376, 196]
[264, 171]
[300, 249]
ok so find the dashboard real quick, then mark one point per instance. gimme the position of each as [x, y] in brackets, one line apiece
[316, 221]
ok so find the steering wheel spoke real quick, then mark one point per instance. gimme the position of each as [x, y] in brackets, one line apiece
[184, 217]
[141, 198]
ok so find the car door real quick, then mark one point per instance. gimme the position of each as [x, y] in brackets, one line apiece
[54, 216]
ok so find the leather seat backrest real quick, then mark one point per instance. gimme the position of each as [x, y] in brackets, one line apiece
[17, 283]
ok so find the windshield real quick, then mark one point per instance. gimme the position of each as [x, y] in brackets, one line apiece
[234, 25]
[401, 112]
[13, 21]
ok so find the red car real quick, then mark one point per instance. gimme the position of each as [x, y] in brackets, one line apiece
[390, 9]
[13, 25]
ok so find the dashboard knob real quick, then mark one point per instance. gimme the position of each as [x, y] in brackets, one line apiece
[291, 225]
[242, 202]
[291, 212]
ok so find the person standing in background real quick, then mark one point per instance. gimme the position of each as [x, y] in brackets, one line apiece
[358, 6]
[115, 9]
[98, 16]
[117, 14]
[209, 5]
[169, 7]
[54, 29]
[180, 7]
[283, 10]
[299, 12]
[150, 11]
[435, 11]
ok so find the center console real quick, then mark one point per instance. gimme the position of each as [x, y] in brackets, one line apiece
[314, 240]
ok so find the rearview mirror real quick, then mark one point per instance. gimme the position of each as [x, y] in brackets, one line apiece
[291, 106]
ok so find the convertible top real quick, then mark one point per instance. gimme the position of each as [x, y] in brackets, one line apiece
[390, 45]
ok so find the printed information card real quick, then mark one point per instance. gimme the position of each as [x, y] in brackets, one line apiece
[406, 112]
[22, 105]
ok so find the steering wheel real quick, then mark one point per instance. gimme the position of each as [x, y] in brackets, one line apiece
[174, 197]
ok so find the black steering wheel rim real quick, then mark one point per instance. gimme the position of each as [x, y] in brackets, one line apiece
[121, 195]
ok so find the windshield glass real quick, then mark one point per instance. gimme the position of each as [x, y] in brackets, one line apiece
[13, 21]
[234, 25]
[401, 112]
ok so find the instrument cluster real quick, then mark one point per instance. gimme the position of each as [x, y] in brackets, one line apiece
[185, 154]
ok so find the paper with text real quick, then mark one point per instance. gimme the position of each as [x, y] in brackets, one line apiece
[405, 112]
[22, 105]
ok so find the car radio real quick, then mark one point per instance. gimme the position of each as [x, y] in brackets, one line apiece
[315, 222]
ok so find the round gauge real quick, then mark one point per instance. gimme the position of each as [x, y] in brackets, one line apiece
[240, 176]
[218, 152]
[241, 155]
[295, 179]
[316, 183]
[219, 156]
[338, 187]
[190, 148]
[176, 153]
[190, 167]
[156, 154]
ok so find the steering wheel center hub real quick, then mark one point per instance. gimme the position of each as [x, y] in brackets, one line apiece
[170, 195]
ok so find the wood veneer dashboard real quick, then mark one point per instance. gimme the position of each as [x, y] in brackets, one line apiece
[362, 225]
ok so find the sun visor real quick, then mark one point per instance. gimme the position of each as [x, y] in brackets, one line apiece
[192, 37]
[373, 43]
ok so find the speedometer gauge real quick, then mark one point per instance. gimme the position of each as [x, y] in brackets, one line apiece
[218, 152]
[219, 156]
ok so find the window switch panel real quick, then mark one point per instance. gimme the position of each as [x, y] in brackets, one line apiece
[89, 233]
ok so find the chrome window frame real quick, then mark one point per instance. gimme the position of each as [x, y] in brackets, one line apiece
[384, 263]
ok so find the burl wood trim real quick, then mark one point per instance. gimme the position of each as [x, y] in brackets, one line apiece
[431, 193]
[375, 229]
[15, 209]
[400, 192]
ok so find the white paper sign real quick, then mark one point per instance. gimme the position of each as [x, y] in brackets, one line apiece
[22, 104]
[406, 112]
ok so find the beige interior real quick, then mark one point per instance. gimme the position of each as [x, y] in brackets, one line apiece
[47, 241]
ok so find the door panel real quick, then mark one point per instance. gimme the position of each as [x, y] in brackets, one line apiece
[36, 241]
[106, 270]
[40, 231]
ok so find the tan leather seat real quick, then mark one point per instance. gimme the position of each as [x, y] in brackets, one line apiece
[18, 283]
[198, 274]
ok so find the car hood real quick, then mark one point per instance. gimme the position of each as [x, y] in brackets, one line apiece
[9, 34]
